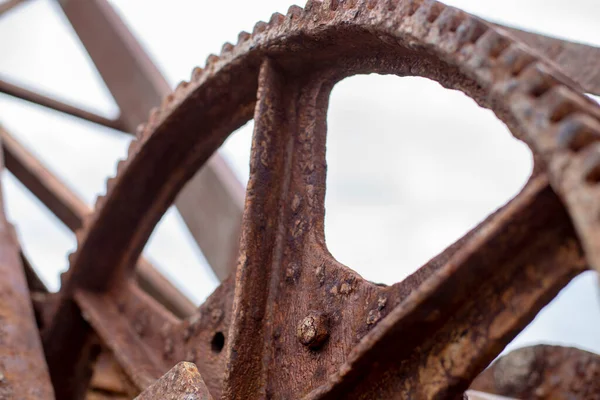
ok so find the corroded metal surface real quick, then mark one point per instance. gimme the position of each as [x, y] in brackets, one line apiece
[292, 322]
[23, 371]
[181, 382]
[433, 321]
[543, 372]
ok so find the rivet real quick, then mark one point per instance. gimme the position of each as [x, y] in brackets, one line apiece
[313, 330]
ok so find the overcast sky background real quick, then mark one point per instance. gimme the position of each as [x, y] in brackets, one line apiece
[411, 166]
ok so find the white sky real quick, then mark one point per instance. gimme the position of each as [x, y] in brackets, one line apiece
[411, 166]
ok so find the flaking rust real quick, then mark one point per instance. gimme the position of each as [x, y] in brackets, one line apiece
[292, 322]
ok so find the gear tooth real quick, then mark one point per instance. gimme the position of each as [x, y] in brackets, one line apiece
[181, 87]
[350, 4]
[110, 182]
[410, 8]
[260, 27]
[71, 258]
[276, 19]
[211, 59]
[312, 6]
[120, 165]
[197, 73]
[80, 234]
[331, 4]
[167, 100]
[139, 131]
[100, 201]
[371, 4]
[64, 276]
[154, 114]
[294, 11]
[132, 149]
[392, 4]
[227, 48]
[243, 36]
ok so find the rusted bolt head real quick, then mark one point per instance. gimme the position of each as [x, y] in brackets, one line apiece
[313, 329]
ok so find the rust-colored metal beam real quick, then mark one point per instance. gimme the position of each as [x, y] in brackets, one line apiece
[109, 378]
[212, 203]
[114, 329]
[71, 211]
[36, 98]
[23, 370]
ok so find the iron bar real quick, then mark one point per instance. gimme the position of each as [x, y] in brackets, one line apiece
[36, 98]
[23, 369]
[119, 336]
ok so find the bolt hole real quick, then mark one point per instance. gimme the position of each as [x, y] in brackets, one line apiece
[218, 342]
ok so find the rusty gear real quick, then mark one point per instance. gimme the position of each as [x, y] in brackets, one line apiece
[292, 322]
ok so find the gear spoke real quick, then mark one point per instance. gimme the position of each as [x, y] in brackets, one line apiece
[456, 321]
[280, 226]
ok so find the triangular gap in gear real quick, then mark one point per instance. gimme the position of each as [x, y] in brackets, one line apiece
[409, 177]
